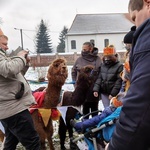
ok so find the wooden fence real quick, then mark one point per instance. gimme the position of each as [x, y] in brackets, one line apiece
[41, 60]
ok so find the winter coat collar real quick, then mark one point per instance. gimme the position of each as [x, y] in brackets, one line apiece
[1, 50]
[90, 56]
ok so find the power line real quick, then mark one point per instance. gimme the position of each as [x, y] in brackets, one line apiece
[35, 30]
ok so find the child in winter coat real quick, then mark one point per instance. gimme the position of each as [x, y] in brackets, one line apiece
[108, 83]
[81, 126]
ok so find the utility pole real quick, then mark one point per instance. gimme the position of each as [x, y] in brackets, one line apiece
[21, 36]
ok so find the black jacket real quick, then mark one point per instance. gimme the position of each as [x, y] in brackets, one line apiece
[133, 128]
[109, 80]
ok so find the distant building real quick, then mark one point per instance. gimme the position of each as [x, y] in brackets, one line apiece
[101, 29]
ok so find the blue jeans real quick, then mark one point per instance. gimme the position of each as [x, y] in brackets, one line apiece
[20, 128]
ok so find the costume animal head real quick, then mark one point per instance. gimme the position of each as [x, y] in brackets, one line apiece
[57, 72]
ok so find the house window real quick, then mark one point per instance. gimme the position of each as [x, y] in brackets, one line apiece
[106, 42]
[92, 41]
[73, 44]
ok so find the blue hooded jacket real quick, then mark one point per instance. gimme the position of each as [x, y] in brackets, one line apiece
[132, 131]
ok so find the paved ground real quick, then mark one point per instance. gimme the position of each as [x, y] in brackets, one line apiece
[56, 145]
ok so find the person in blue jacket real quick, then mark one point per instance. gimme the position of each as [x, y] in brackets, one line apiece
[92, 122]
[132, 130]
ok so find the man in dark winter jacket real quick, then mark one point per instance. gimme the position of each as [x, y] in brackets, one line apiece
[133, 127]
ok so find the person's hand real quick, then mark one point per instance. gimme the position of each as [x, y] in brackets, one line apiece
[95, 94]
[27, 58]
[24, 53]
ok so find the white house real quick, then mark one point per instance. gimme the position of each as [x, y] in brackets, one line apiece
[101, 29]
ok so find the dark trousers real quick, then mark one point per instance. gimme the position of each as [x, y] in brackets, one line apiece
[90, 107]
[20, 128]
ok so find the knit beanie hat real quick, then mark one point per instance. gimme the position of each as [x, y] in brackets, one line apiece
[1, 32]
[129, 36]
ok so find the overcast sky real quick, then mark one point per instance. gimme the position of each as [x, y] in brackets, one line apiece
[27, 14]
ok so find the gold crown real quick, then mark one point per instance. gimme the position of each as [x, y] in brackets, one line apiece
[109, 51]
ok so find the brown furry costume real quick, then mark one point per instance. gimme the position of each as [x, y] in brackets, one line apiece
[57, 74]
[75, 98]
